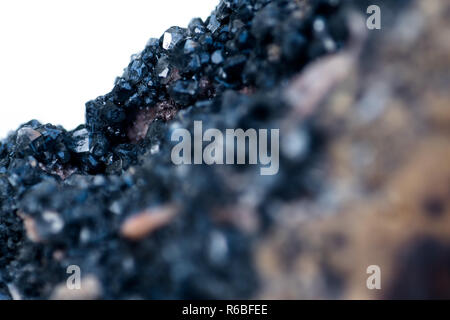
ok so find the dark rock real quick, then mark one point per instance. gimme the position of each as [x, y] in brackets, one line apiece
[183, 92]
[75, 189]
[172, 36]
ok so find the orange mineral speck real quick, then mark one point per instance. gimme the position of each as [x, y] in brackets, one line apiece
[144, 223]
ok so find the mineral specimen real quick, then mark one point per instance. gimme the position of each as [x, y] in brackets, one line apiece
[107, 198]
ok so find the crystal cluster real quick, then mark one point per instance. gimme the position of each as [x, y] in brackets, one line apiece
[76, 197]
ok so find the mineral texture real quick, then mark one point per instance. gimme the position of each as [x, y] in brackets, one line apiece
[364, 176]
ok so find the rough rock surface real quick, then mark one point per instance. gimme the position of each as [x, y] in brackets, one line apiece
[364, 152]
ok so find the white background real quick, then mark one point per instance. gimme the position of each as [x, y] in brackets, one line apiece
[55, 55]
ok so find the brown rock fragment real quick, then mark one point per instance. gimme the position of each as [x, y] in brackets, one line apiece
[144, 223]
[30, 227]
[90, 289]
